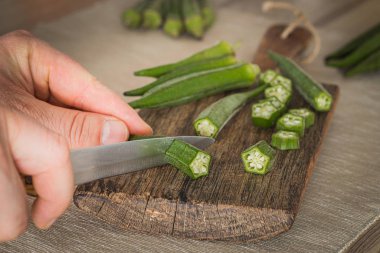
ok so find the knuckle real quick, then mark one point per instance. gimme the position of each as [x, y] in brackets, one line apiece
[85, 130]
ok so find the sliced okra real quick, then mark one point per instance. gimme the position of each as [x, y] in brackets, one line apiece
[280, 92]
[265, 114]
[292, 123]
[285, 140]
[307, 114]
[267, 77]
[259, 158]
[277, 103]
[280, 80]
[192, 161]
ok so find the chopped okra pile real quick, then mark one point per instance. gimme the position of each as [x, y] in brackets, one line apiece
[174, 16]
[215, 70]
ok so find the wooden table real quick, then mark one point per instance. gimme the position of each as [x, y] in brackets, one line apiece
[341, 208]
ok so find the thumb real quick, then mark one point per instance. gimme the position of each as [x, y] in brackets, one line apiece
[44, 155]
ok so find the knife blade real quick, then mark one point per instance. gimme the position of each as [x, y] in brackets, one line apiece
[111, 160]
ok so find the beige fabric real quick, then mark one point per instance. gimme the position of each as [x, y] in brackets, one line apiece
[342, 201]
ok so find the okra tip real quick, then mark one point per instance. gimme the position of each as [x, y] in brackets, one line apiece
[173, 27]
[194, 25]
[131, 18]
[152, 19]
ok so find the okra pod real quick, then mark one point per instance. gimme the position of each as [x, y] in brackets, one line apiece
[313, 92]
[173, 25]
[195, 86]
[285, 140]
[192, 161]
[208, 13]
[265, 113]
[212, 119]
[292, 123]
[354, 44]
[193, 18]
[132, 17]
[152, 15]
[259, 158]
[370, 64]
[305, 113]
[360, 53]
[280, 92]
[201, 66]
[219, 50]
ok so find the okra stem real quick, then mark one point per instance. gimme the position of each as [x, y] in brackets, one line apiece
[173, 24]
[152, 15]
[219, 50]
[370, 64]
[193, 18]
[190, 160]
[312, 91]
[197, 85]
[201, 66]
[212, 119]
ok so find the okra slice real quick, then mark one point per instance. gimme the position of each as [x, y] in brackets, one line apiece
[259, 158]
[285, 140]
[212, 119]
[292, 123]
[192, 161]
[267, 77]
[305, 113]
[265, 114]
[280, 80]
[221, 49]
[313, 92]
[280, 92]
[195, 86]
[277, 103]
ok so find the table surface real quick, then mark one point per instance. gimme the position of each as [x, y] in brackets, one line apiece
[341, 208]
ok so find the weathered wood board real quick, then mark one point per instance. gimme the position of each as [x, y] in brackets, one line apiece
[229, 204]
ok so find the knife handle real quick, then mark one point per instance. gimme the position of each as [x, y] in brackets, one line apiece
[27, 181]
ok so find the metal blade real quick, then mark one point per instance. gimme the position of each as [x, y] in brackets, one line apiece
[105, 161]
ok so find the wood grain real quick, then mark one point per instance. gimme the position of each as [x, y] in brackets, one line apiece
[229, 204]
[292, 46]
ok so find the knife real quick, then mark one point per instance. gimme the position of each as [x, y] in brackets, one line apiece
[99, 162]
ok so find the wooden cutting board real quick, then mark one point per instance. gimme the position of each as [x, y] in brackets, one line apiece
[229, 204]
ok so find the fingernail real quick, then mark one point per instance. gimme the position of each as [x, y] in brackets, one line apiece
[114, 131]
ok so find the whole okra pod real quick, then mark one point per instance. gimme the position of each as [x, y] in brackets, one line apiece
[193, 18]
[133, 17]
[152, 15]
[221, 49]
[173, 24]
[370, 64]
[197, 85]
[201, 66]
[208, 12]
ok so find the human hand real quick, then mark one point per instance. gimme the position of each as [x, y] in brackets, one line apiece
[49, 104]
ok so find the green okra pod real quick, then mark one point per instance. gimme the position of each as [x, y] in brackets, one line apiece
[201, 66]
[195, 86]
[173, 25]
[354, 44]
[285, 140]
[370, 64]
[359, 54]
[190, 160]
[211, 120]
[133, 17]
[208, 12]
[219, 50]
[312, 91]
[259, 158]
[152, 15]
[193, 18]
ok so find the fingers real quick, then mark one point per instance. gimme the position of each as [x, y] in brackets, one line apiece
[13, 209]
[45, 156]
[56, 75]
[82, 129]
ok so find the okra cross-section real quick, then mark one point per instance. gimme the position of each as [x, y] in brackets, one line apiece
[267, 77]
[265, 114]
[280, 80]
[192, 161]
[259, 158]
[290, 122]
[305, 113]
[280, 92]
[285, 140]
